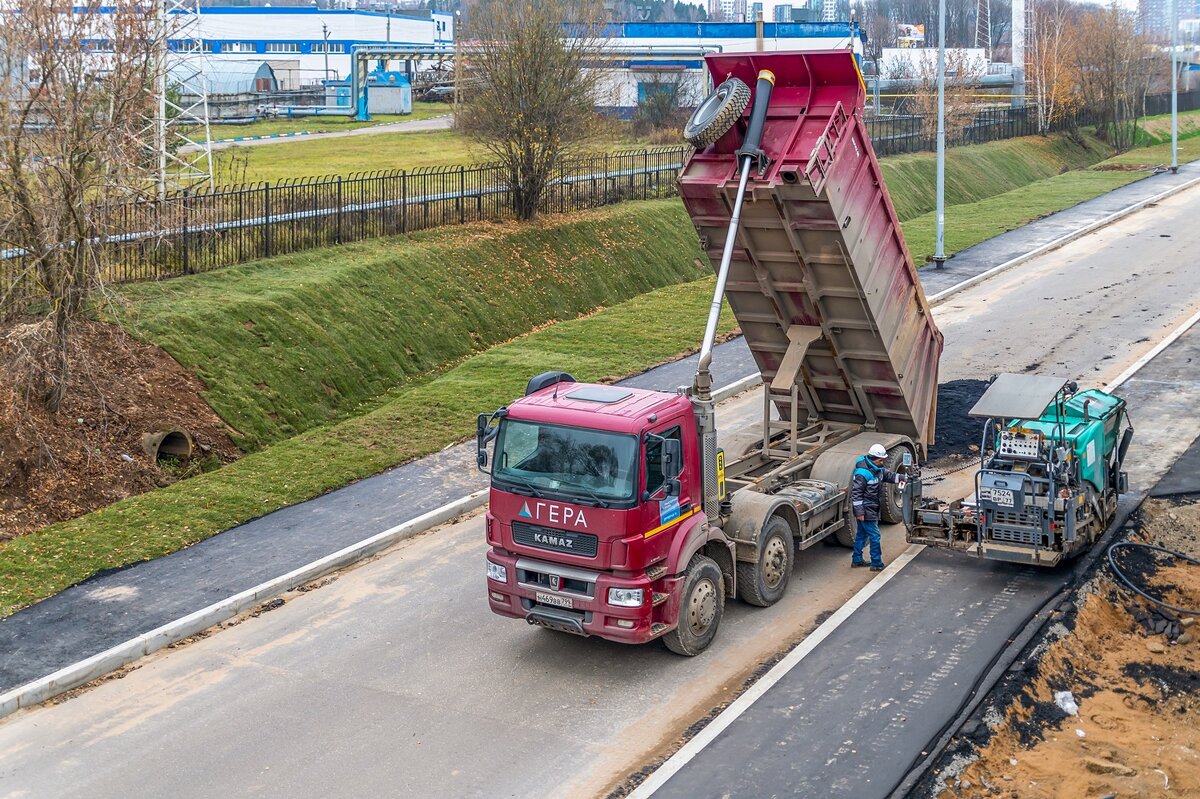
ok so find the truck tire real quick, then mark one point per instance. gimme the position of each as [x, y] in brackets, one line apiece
[891, 509]
[716, 115]
[700, 608]
[845, 534]
[763, 583]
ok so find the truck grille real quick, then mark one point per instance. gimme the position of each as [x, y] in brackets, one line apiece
[549, 538]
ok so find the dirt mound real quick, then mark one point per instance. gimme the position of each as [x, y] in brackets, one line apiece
[89, 455]
[1136, 685]
[956, 432]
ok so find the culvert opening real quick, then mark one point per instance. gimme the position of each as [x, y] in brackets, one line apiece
[168, 444]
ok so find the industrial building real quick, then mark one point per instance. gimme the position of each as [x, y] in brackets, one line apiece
[305, 46]
[303, 56]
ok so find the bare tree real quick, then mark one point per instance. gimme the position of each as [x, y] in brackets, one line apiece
[534, 63]
[666, 97]
[1116, 67]
[963, 75]
[1053, 62]
[75, 96]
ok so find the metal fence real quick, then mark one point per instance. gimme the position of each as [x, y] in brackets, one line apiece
[212, 228]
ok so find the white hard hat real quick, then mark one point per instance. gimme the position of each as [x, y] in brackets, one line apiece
[877, 451]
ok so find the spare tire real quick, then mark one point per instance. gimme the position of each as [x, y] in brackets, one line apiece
[717, 113]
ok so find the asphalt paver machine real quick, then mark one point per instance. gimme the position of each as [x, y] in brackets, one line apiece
[1048, 480]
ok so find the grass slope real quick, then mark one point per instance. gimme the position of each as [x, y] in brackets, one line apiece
[984, 170]
[968, 224]
[289, 343]
[413, 421]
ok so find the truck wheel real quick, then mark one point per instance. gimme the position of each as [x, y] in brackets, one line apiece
[700, 609]
[764, 582]
[892, 509]
[845, 534]
[717, 113]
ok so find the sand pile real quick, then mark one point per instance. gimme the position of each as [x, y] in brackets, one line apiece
[1133, 673]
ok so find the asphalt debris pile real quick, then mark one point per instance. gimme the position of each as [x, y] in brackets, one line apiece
[955, 432]
[1160, 621]
[1105, 701]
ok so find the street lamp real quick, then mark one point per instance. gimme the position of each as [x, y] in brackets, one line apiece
[939, 253]
[1174, 87]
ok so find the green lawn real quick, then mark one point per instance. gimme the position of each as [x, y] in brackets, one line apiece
[288, 343]
[968, 224]
[345, 156]
[979, 171]
[1157, 129]
[324, 124]
[1158, 155]
[412, 421]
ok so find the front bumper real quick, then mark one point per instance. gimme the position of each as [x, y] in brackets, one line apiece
[587, 593]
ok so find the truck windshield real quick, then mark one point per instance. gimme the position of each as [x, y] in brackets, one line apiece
[581, 463]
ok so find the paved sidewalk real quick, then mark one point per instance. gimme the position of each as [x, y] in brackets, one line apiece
[114, 607]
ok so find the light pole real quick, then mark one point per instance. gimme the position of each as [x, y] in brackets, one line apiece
[325, 36]
[1174, 87]
[939, 253]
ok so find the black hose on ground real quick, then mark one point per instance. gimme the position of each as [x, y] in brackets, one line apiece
[1112, 563]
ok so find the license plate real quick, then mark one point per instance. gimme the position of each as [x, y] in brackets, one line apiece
[556, 601]
[998, 496]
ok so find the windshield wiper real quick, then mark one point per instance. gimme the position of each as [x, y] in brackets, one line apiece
[528, 486]
[600, 503]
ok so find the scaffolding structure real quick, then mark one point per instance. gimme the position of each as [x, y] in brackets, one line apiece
[179, 133]
[983, 28]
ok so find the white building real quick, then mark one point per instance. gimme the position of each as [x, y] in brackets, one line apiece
[302, 43]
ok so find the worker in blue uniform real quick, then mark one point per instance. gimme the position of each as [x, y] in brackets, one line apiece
[866, 497]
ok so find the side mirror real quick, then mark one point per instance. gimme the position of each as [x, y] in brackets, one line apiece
[486, 428]
[673, 488]
[672, 458]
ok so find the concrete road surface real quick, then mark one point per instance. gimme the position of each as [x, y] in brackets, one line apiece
[395, 680]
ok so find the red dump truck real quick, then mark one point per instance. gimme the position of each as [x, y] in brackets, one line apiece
[614, 512]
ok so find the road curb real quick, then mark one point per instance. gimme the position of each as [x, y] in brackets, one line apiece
[98, 665]
[1061, 241]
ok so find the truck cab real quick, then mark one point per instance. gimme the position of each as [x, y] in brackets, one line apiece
[595, 489]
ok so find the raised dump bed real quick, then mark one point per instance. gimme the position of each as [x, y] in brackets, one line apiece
[821, 280]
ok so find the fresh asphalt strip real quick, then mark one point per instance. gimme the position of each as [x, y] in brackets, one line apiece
[115, 618]
[853, 707]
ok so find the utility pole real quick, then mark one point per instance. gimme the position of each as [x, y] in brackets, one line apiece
[325, 36]
[939, 253]
[1174, 87]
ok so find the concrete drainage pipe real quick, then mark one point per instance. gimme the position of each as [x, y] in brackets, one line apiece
[175, 444]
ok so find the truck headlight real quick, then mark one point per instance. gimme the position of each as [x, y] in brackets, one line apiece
[625, 597]
[497, 572]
